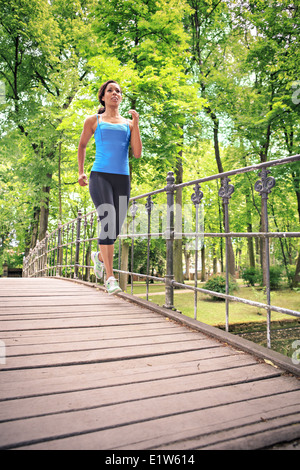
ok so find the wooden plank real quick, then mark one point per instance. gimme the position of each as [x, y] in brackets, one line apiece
[86, 370]
[261, 435]
[52, 311]
[100, 396]
[98, 378]
[103, 343]
[65, 301]
[138, 436]
[102, 355]
[117, 368]
[75, 323]
[161, 414]
[115, 313]
[82, 334]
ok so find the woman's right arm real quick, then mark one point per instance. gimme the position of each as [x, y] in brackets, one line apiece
[88, 131]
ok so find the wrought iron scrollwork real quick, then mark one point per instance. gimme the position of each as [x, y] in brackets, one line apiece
[265, 184]
[133, 209]
[149, 204]
[197, 195]
[226, 190]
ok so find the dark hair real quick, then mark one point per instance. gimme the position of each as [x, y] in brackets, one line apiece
[101, 93]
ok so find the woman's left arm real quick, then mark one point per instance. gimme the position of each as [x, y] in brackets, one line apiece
[135, 140]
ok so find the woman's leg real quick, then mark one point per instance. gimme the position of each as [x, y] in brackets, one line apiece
[107, 255]
[121, 199]
[110, 194]
[120, 185]
[101, 192]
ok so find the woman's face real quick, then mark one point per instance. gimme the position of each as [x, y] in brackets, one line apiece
[112, 95]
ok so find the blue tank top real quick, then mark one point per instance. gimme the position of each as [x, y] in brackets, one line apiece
[112, 143]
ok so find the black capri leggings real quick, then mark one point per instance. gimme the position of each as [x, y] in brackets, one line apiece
[110, 194]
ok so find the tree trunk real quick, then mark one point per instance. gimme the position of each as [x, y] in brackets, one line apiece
[296, 181]
[32, 236]
[250, 240]
[263, 222]
[59, 183]
[296, 278]
[215, 259]
[44, 215]
[178, 267]
[124, 265]
[187, 256]
[203, 263]
[231, 261]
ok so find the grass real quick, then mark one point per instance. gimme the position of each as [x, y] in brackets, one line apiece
[245, 320]
[212, 311]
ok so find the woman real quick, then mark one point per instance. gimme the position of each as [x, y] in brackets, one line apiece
[109, 182]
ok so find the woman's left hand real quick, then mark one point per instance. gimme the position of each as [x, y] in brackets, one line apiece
[135, 117]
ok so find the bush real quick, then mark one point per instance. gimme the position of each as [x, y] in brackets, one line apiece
[275, 277]
[217, 283]
[291, 274]
[251, 276]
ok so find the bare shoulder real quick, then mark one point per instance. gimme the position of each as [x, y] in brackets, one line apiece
[90, 120]
[90, 123]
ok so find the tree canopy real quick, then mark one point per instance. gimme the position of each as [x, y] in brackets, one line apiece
[216, 85]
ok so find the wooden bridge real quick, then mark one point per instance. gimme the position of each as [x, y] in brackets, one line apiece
[83, 370]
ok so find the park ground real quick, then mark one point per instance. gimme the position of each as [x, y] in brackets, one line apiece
[244, 320]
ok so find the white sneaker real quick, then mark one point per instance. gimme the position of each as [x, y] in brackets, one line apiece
[98, 265]
[112, 286]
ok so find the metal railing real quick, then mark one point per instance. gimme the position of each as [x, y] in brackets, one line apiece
[67, 250]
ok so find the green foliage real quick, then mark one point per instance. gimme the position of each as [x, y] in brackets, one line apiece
[253, 276]
[217, 283]
[250, 276]
[197, 71]
[275, 277]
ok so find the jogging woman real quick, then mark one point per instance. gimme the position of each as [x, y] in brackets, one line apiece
[109, 182]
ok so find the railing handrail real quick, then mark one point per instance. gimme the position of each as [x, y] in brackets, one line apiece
[238, 171]
[36, 263]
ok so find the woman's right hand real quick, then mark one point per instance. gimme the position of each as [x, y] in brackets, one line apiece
[82, 179]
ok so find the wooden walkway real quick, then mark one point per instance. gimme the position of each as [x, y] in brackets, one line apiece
[84, 370]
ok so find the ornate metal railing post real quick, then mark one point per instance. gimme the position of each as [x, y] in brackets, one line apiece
[35, 263]
[196, 199]
[71, 254]
[133, 211]
[148, 206]
[85, 224]
[76, 264]
[59, 250]
[169, 295]
[225, 193]
[90, 247]
[264, 186]
[37, 257]
[45, 257]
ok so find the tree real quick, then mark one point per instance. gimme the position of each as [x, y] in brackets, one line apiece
[209, 28]
[42, 64]
[273, 61]
[149, 42]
